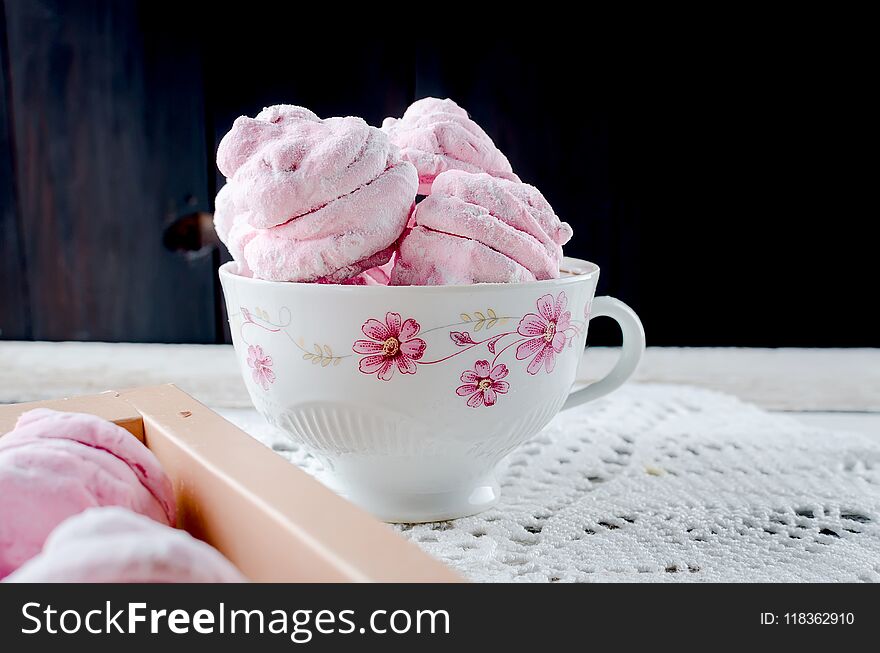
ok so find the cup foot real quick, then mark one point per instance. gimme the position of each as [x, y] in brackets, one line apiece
[413, 508]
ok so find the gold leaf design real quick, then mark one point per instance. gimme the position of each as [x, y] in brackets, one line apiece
[323, 355]
[488, 320]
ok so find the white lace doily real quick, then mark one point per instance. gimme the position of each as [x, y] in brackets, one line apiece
[667, 483]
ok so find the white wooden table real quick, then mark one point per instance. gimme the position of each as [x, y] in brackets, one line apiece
[834, 388]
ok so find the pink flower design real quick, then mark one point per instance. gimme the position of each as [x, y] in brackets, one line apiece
[260, 365]
[483, 384]
[462, 338]
[390, 343]
[546, 333]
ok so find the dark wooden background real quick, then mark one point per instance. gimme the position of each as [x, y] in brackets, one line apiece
[715, 178]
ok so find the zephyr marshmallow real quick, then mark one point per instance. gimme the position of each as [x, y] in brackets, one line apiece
[476, 228]
[115, 545]
[437, 135]
[54, 465]
[310, 199]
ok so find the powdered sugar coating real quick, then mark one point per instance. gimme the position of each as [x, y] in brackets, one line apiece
[286, 162]
[475, 228]
[54, 465]
[309, 199]
[438, 135]
[114, 545]
[338, 241]
[433, 258]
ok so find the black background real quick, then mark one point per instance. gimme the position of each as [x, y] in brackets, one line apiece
[717, 168]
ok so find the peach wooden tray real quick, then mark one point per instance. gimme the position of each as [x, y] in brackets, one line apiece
[272, 520]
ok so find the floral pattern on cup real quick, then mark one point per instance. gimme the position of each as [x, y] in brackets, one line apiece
[261, 366]
[393, 344]
[483, 384]
[545, 331]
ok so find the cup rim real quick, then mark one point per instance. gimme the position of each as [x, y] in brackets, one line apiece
[574, 269]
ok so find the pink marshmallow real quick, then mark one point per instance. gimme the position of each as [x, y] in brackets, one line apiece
[520, 205]
[340, 240]
[433, 258]
[475, 228]
[311, 200]
[232, 227]
[287, 163]
[249, 135]
[114, 545]
[54, 465]
[380, 275]
[225, 213]
[437, 135]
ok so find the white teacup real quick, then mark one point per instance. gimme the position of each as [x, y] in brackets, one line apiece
[411, 395]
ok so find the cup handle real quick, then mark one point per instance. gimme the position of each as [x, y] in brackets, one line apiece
[633, 347]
